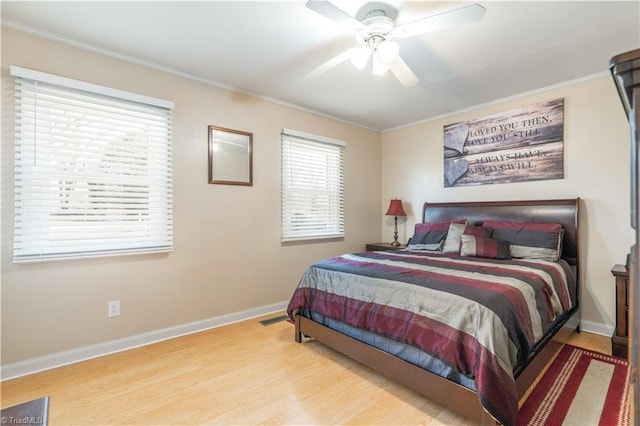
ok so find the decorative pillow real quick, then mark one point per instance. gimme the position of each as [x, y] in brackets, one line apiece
[429, 236]
[452, 243]
[529, 240]
[472, 245]
[478, 231]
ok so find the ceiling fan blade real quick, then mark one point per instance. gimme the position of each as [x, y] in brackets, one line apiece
[465, 14]
[401, 70]
[333, 62]
[330, 11]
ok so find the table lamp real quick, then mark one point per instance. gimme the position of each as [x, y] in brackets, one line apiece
[395, 209]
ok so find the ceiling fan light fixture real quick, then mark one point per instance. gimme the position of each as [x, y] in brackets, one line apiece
[379, 66]
[375, 28]
[359, 56]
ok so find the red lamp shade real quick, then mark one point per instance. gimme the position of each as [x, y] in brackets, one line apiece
[395, 208]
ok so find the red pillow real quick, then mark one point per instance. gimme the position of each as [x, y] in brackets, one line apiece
[478, 231]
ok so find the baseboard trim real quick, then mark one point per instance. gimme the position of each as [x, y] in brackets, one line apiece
[597, 328]
[59, 359]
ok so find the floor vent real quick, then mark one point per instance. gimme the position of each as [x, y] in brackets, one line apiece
[274, 320]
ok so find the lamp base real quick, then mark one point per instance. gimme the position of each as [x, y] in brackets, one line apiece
[395, 242]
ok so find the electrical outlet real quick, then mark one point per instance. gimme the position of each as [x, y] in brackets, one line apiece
[113, 308]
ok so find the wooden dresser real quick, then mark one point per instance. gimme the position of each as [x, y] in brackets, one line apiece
[625, 70]
[619, 340]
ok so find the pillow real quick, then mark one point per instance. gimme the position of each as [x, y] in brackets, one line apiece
[529, 240]
[478, 231]
[429, 236]
[452, 243]
[472, 245]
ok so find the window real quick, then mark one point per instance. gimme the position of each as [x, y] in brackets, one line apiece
[312, 194]
[92, 170]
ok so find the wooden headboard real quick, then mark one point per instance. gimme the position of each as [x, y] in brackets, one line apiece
[564, 212]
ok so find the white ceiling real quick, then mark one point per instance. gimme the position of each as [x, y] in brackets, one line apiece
[266, 47]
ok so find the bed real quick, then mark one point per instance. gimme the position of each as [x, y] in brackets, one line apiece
[480, 365]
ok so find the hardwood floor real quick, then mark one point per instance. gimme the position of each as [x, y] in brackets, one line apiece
[594, 342]
[244, 373]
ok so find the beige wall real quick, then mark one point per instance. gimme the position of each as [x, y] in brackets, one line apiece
[228, 256]
[596, 163]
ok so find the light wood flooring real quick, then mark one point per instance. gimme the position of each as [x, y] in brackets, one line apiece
[244, 373]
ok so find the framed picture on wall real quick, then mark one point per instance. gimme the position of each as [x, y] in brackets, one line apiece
[230, 156]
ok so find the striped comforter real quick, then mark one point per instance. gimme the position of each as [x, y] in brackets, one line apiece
[479, 316]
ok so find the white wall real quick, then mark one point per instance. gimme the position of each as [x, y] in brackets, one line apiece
[596, 168]
[228, 256]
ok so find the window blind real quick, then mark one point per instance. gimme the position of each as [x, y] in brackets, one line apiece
[312, 186]
[93, 170]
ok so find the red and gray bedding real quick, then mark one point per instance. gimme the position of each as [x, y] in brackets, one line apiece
[479, 316]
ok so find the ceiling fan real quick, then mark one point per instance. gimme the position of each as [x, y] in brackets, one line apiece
[375, 29]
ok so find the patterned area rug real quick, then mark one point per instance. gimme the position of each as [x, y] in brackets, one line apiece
[580, 388]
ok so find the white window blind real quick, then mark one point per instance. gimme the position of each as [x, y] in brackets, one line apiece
[312, 186]
[93, 170]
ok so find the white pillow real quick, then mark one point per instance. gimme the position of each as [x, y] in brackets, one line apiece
[452, 242]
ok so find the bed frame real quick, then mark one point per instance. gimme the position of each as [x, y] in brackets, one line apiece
[447, 393]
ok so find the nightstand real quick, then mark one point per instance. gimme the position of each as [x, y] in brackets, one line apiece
[382, 247]
[619, 340]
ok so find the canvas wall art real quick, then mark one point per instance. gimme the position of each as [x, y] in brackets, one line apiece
[522, 144]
